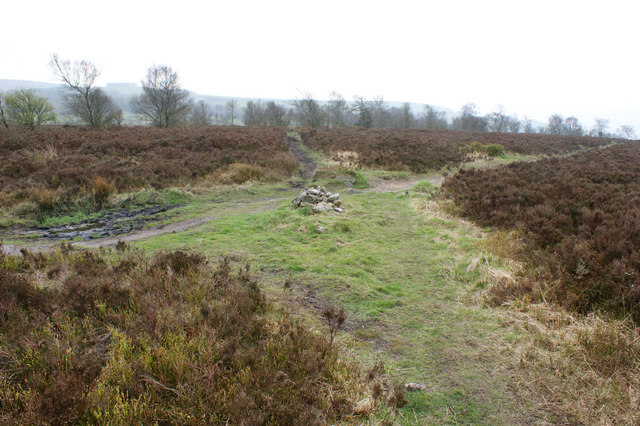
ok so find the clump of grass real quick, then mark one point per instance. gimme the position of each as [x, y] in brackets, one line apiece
[491, 149]
[581, 368]
[116, 337]
[360, 181]
[424, 186]
[46, 200]
[101, 189]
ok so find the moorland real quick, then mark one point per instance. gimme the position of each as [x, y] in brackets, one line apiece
[498, 271]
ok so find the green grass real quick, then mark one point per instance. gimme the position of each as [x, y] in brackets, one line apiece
[400, 273]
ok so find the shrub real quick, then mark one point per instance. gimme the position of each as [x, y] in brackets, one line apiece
[581, 219]
[25, 108]
[101, 189]
[118, 338]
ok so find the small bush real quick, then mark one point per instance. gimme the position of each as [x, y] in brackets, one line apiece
[169, 338]
[491, 149]
[47, 201]
[424, 186]
[101, 189]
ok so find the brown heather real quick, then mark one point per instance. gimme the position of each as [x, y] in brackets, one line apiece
[580, 219]
[424, 150]
[69, 161]
[117, 337]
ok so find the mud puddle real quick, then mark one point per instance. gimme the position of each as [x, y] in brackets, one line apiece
[112, 223]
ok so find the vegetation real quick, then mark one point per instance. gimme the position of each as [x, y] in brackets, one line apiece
[55, 167]
[163, 102]
[122, 338]
[425, 150]
[399, 278]
[580, 218]
[84, 100]
[24, 108]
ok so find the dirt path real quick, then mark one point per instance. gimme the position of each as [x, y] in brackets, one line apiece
[308, 165]
[382, 185]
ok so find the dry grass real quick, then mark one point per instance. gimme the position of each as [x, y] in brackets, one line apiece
[583, 369]
[571, 368]
[579, 369]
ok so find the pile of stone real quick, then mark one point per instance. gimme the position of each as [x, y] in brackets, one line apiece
[319, 199]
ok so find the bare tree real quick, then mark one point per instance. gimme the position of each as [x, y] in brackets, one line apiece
[600, 128]
[469, 119]
[201, 114]
[433, 118]
[231, 107]
[498, 121]
[83, 100]
[254, 114]
[555, 124]
[163, 102]
[25, 108]
[276, 115]
[3, 117]
[572, 126]
[528, 126]
[514, 124]
[307, 111]
[406, 116]
[336, 110]
[362, 111]
[626, 131]
[379, 112]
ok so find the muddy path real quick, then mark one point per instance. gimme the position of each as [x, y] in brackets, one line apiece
[308, 164]
[46, 244]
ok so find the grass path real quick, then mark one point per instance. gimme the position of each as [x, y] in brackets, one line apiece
[408, 278]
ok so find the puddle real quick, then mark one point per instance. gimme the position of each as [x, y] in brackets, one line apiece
[115, 222]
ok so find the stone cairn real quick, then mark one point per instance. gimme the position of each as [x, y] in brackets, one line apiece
[319, 199]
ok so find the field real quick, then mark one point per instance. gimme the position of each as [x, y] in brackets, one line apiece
[335, 312]
[422, 150]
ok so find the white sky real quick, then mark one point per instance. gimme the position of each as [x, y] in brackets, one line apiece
[533, 57]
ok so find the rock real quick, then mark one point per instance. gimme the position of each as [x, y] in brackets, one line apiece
[348, 180]
[320, 200]
[414, 387]
[364, 407]
[320, 229]
[354, 191]
[309, 198]
[322, 207]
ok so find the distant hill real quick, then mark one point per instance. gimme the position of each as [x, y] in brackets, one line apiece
[123, 92]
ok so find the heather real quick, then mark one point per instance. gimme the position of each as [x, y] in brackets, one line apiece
[419, 151]
[580, 217]
[120, 337]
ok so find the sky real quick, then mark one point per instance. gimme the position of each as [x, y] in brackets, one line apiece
[535, 58]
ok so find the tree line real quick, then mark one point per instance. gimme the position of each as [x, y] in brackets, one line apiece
[163, 103]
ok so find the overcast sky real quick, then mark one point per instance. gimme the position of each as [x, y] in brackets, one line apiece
[535, 58]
